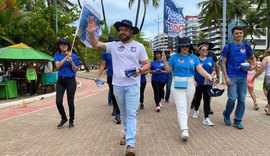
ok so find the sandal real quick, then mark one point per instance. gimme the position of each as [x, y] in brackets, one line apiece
[266, 112]
[256, 107]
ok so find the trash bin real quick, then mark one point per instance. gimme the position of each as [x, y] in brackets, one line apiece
[8, 89]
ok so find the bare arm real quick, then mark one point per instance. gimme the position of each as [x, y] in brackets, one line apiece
[204, 73]
[91, 28]
[217, 71]
[145, 67]
[224, 70]
[101, 69]
[253, 62]
[166, 65]
[262, 68]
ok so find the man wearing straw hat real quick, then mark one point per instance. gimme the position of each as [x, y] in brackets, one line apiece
[127, 57]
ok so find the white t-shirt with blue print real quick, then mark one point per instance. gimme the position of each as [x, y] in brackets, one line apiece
[183, 65]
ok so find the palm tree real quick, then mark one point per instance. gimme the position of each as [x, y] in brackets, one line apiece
[155, 4]
[201, 36]
[264, 12]
[253, 26]
[211, 12]
[237, 9]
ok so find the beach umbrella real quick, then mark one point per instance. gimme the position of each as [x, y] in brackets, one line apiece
[22, 52]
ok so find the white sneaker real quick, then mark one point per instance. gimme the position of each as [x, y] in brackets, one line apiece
[195, 115]
[208, 122]
[185, 135]
[157, 109]
[160, 105]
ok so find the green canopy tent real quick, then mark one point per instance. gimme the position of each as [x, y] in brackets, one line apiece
[22, 52]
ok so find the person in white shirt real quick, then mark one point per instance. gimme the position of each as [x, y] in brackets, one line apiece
[127, 55]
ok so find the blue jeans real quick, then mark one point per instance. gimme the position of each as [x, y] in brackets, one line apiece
[168, 89]
[127, 98]
[237, 91]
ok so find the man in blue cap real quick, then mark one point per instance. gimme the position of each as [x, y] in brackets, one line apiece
[126, 54]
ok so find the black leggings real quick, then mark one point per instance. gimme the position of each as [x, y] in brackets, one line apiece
[115, 105]
[158, 91]
[68, 84]
[142, 88]
[202, 90]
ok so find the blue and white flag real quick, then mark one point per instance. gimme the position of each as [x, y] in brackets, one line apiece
[174, 21]
[81, 31]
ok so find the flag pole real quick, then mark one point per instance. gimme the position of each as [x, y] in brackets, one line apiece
[73, 42]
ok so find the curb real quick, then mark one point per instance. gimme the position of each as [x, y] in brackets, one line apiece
[32, 99]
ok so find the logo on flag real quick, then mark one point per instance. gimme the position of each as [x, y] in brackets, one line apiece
[174, 21]
[81, 31]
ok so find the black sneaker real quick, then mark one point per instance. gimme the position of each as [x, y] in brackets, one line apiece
[211, 112]
[61, 124]
[71, 124]
[117, 119]
[141, 106]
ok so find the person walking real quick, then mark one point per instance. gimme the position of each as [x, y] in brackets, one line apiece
[159, 76]
[202, 85]
[168, 83]
[265, 66]
[32, 78]
[107, 62]
[251, 89]
[183, 64]
[142, 88]
[67, 64]
[127, 57]
[233, 55]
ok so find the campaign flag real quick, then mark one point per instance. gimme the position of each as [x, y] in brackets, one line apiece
[81, 31]
[174, 21]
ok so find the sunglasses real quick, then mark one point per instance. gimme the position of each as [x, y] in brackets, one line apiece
[187, 46]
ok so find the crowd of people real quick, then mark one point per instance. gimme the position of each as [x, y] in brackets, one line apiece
[189, 74]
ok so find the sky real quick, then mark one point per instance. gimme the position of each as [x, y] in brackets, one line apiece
[116, 10]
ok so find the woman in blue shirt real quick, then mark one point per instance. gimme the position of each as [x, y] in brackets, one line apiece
[67, 64]
[202, 86]
[183, 64]
[158, 77]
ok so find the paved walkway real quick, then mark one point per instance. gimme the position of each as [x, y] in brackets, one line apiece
[34, 132]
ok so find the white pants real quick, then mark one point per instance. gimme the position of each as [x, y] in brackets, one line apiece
[183, 99]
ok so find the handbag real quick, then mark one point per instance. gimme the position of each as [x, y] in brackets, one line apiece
[181, 84]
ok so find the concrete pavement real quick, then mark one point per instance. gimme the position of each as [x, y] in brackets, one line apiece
[34, 131]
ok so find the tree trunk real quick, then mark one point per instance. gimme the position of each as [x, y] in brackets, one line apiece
[144, 14]
[79, 3]
[137, 14]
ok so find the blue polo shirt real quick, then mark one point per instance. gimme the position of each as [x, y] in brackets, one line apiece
[183, 65]
[158, 65]
[66, 69]
[208, 65]
[238, 55]
[108, 58]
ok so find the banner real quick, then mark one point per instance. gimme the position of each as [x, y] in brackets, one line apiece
[81, 31]
[174, 21]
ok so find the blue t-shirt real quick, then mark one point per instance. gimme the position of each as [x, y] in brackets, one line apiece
[183, 65]
[66, 69]
[157, 66]
[208, 65]
[238, 55]
[108, 58]
[143, 78]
